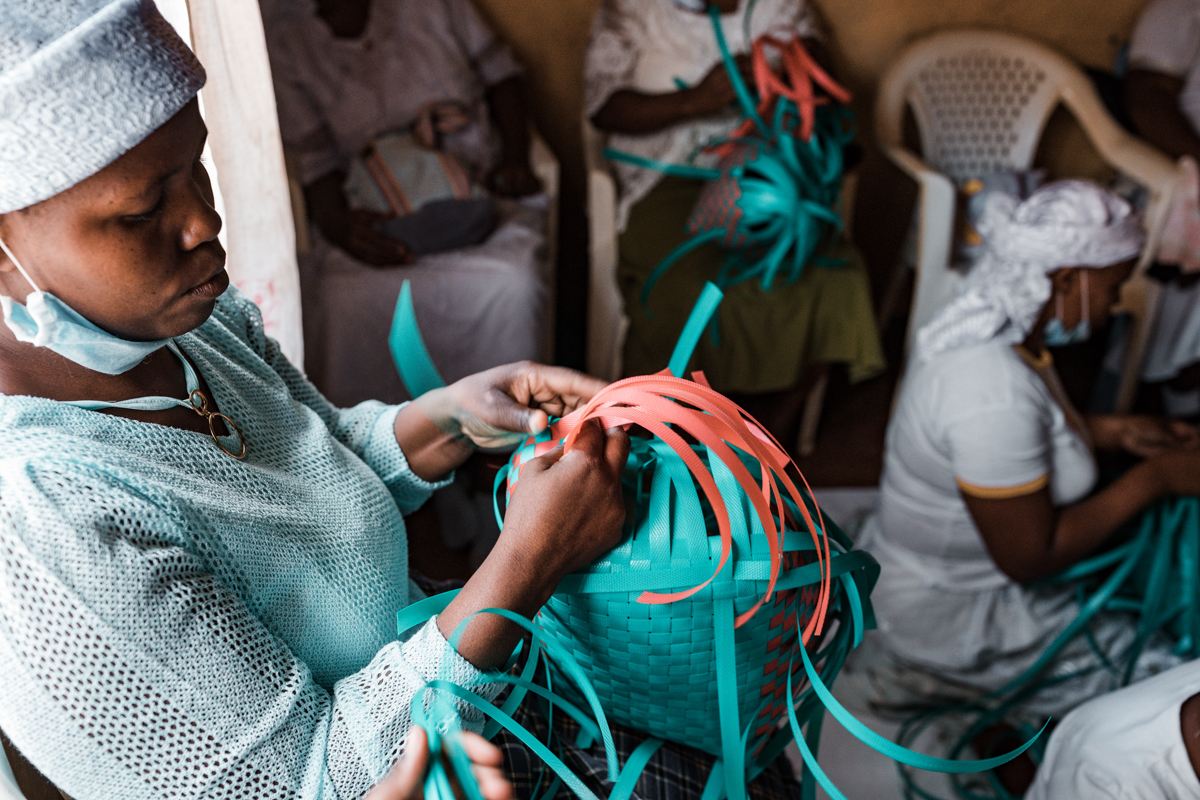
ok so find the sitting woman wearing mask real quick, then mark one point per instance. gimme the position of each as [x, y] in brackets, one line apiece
[989, 471]
[203, 558]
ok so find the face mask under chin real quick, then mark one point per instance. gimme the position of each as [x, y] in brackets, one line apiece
[46, 321]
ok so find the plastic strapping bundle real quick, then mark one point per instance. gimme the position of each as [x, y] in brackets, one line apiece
[759, 616]
[771, 200]
[1152, 576]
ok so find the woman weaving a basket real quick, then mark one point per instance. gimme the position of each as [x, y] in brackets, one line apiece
[204, 557]
[989, 475]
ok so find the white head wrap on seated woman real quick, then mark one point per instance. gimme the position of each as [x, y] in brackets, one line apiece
[81, 83]
[1070, 223]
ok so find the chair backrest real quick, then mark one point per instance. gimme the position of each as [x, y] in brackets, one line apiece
[980, 99]
[607, 322]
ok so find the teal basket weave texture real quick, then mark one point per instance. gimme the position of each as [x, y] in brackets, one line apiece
[655, 667]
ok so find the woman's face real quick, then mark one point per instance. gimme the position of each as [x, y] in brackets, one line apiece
[1103, 286]
[134, 247]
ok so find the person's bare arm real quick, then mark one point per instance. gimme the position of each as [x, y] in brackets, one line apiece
[1140, 434]
[633, 112]
[352, 231]
[1152, 100]
[1029, 539]
[513, 177]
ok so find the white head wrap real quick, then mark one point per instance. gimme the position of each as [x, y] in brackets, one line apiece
[1070, 223]
[81, 83]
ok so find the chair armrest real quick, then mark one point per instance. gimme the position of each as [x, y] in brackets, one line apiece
[935, 280]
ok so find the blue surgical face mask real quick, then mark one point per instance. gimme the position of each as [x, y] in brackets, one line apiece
[1055, 335]
[696, 6]
[46, 321]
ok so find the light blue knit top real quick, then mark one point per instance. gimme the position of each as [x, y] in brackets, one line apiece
[176, 623]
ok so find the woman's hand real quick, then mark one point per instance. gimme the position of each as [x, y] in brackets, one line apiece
[355, 232]
[715, 90]
[638, 113]
[1177, 471]
[502, 406]
[514, 179]
[406, 780]
[496, 408]
[1142, 435]
[566, 511]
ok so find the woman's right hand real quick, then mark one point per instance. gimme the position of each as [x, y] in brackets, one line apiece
[566, 510]
[405, 781]
[1177, 471]
[354, 231]
[715, 91]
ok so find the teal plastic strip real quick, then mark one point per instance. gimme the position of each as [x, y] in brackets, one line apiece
[706, 305]
[418, 613]
[733, 751]
[516, 729]
[685, 247]
[894, 751]
[749, 107]
[810, 759]
[714, 788]
[413, 362]
[566, 662]
[635, 765]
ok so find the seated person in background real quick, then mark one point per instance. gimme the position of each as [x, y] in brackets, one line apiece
[989, 470]
[1162, 97]
[1139, 743]
[639, 49]
[347, 72]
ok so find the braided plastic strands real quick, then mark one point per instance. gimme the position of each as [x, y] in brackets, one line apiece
[728, 585]
[770, 200]
[1153, 576]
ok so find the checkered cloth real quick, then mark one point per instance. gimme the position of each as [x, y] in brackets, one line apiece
[675, 772]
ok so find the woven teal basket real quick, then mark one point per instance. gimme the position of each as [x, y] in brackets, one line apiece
[718, 622]
[710, 669]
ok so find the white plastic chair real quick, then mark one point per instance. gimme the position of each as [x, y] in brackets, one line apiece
[981, 100]
[607, 323]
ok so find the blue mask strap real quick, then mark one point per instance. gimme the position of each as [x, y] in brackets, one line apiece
[196, 401]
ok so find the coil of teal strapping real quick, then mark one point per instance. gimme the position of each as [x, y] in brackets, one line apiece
[772, 200]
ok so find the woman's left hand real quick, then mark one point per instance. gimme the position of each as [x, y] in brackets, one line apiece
[502, 406]
[405, 781]
[513, 180]
[1145, 436]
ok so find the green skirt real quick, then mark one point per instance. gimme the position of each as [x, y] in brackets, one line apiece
[767, 339]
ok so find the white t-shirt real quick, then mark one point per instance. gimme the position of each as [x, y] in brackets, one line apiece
[980, 416]
[1167, 40]
[1124, 746]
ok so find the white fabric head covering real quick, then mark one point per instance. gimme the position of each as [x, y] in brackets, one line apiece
[1070, 223]
[81, 83]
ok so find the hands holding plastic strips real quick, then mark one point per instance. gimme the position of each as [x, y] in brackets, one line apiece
[716, 617]
[407, 780]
